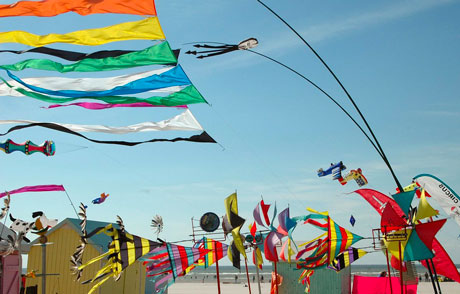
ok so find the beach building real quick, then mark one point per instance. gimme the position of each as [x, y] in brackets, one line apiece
[11, 264]
[62, 241]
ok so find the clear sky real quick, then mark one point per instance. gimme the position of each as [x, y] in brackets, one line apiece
[398, 59]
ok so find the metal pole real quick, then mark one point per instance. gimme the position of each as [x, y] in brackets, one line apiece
[247, 274]
[257, 272]
[217, 267]
[401, 269]
[435, 275]
[389, 273]
[276, 279]
[431, 276]
[43, 268]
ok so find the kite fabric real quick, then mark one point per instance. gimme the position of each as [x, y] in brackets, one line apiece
[201, 138]
[424, 209]
[188, 95]
[181, 122]
[441, 193]
[145, 29]
[256, 213]
[46, 8]
[236, 222]
[76, 56]
[346, 258]
[124, 250]
[404, 200]
[173, 76]
[442, 261]
[339, 239]
[99, 106]
[59, 83]
[157, 54]
[48, 148]
[164, 264]
[218, 250]
[38, 188]
[379, 200]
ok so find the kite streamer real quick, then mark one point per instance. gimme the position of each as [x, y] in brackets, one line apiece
[48, 148]
[75, 56]
[99, 106]
[39, 188]
[181, 122]
[145, 29]
[174, 76]
[86, 84]
[188, 95]
[82, 7]
[201, 138]
[157, 54]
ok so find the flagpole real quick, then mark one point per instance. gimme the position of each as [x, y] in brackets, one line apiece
[435, 274]
[276, 279]
[431, 276]
[217, 268]
[401, 268]
[389, 273]
[247, 274]
[257, 271]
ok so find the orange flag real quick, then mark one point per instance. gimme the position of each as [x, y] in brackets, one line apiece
[82, 7]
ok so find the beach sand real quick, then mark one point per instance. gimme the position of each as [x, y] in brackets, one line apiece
[209, 288]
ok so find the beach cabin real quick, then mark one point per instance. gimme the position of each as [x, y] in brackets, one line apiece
[10, 263]
[62, 241]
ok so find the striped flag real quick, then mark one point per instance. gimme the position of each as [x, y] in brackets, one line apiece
[339, 239]
[346, 258]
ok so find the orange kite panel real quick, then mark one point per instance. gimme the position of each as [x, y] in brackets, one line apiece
[82, 7]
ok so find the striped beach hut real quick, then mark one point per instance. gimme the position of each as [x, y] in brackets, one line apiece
[62, 241]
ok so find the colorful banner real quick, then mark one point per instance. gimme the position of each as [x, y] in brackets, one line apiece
[60, 83]
[174, 76]
[82, 7]
[181, 122]
[38, 188]
[145, 29]
[441, 193]
[157, 54]
[100, 106]
[188, 95]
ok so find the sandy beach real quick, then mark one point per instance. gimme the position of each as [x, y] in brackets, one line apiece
[209, 288]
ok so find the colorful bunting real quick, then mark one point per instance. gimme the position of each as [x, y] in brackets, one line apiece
[173, 76]
[184, 121]
[82, 7]
[145, 29]
[157, 54]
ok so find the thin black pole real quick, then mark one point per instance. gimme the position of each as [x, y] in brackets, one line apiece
[382, 153]
[435, 275]
[431, 276]
[325, 93]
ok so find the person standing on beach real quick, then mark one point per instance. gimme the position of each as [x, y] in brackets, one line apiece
[426, 277]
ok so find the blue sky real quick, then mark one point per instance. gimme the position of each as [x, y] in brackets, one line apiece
[398, 59]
